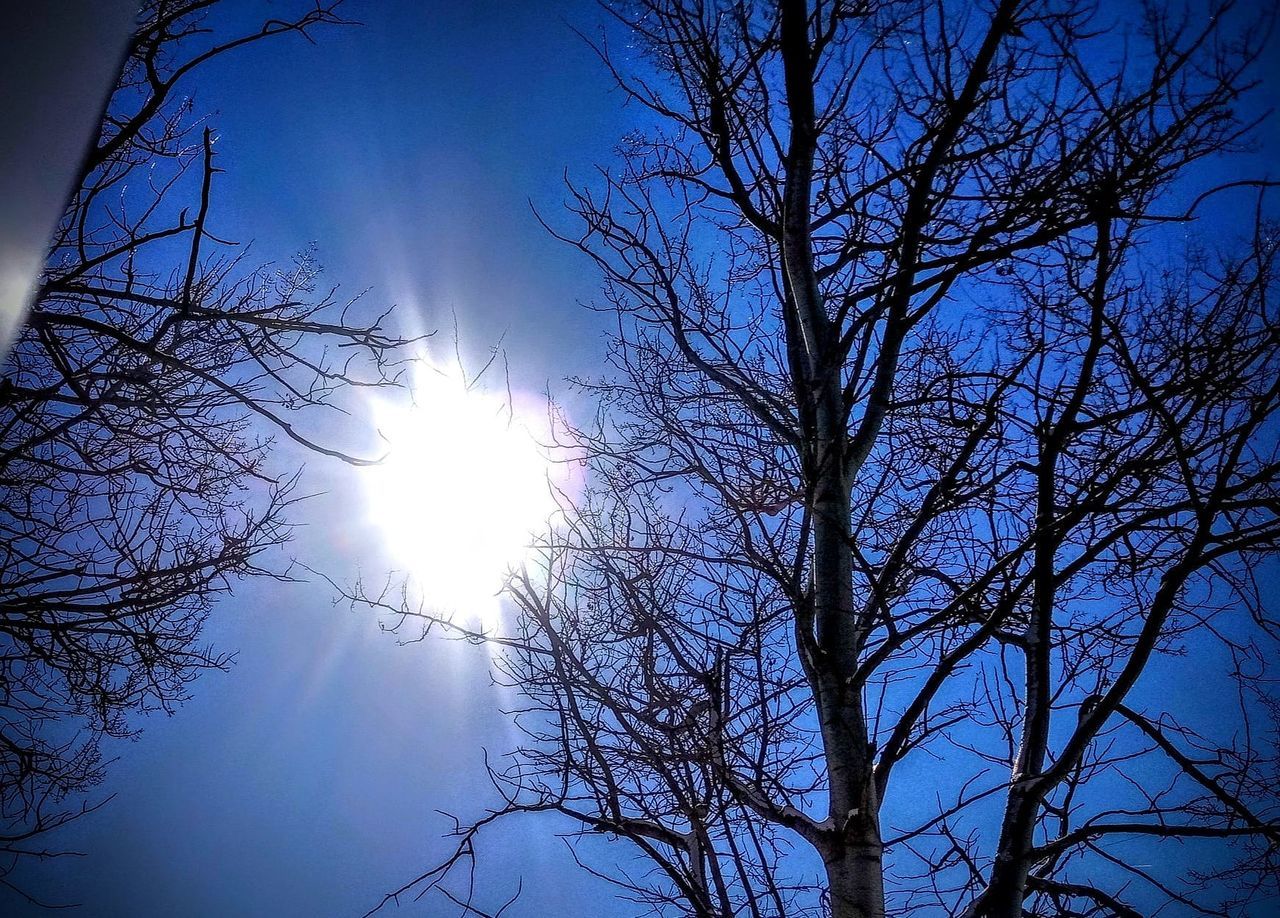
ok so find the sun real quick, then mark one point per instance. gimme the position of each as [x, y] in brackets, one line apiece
[464, 489]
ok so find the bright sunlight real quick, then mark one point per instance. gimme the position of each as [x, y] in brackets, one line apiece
[462, 492]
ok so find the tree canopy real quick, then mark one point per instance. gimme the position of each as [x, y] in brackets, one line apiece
[936, 433]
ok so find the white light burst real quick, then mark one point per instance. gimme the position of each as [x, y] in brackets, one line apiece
[462, 492]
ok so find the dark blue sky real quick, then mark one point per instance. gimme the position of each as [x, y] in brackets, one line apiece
[305, 781]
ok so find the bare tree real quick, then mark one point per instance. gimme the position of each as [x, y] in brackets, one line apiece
[933, 442]
[137, 410]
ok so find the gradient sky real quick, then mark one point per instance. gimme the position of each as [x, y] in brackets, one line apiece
[305, 781]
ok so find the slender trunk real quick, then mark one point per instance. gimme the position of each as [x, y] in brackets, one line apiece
[852, 852]
[853, 856]
[1003, 898]
[1008, 888]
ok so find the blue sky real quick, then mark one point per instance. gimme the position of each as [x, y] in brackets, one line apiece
[306, 780]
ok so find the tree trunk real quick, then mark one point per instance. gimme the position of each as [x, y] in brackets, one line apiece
[853, 852]
[1008, 888]
[853, 856]
[855, 879]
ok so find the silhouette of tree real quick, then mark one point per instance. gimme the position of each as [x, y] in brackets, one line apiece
[137, 409]
[932, 444]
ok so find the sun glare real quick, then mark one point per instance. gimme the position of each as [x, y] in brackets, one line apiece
[462, 492]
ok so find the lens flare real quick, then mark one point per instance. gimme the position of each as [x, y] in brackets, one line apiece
[463, 491]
